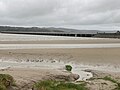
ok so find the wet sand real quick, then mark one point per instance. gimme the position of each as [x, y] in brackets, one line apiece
[106, 61]
[92, 41]
[100, 59]
[42, 39]
[89, 55]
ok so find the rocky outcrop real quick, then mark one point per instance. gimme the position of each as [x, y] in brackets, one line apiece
[66, 77]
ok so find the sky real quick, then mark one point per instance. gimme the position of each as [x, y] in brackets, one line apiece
[78, 14]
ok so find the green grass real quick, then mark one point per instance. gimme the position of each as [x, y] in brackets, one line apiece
[114, 81]
[2, 87]
[110, 79]
[6, 81]
[56, 85]
[68, 67]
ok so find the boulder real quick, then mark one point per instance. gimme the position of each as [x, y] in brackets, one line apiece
[67, 77]
[73, 77]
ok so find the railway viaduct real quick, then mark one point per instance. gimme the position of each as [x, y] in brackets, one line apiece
[70, 34]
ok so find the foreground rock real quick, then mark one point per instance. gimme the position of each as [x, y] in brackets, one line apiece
[100, 84]
[25, 78]
[103, 80]
[65, 77]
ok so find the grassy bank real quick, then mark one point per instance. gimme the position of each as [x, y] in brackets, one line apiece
[56, 85]
[6, 81]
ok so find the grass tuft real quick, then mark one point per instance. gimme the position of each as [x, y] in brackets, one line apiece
[68, 67]
[6, 81]
[114, 81]
[56, 85]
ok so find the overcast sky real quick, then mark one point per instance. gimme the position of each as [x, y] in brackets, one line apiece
[81, 14]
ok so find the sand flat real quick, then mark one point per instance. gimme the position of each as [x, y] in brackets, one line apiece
[42, 39]
[91, 41]
[77, 49]
[52, 46]
[22, 51]
[89, 55]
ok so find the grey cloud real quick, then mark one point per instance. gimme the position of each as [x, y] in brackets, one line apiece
[59, 12]
[29, 8]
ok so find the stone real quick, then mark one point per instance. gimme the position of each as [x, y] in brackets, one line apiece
[70, 77]
[74, 77]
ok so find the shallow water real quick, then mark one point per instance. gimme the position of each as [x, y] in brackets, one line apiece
[46, 65]
[38, 46]
[77, 68]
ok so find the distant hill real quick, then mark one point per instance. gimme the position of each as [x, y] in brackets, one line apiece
[50, 29]
[75, 30]
[26, 29]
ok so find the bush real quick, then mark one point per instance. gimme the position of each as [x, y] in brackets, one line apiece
[68, 67]
[56, 85]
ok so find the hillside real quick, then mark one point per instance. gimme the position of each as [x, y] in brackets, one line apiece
[50, 29]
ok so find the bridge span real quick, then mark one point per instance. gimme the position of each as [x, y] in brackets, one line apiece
[71, 34]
